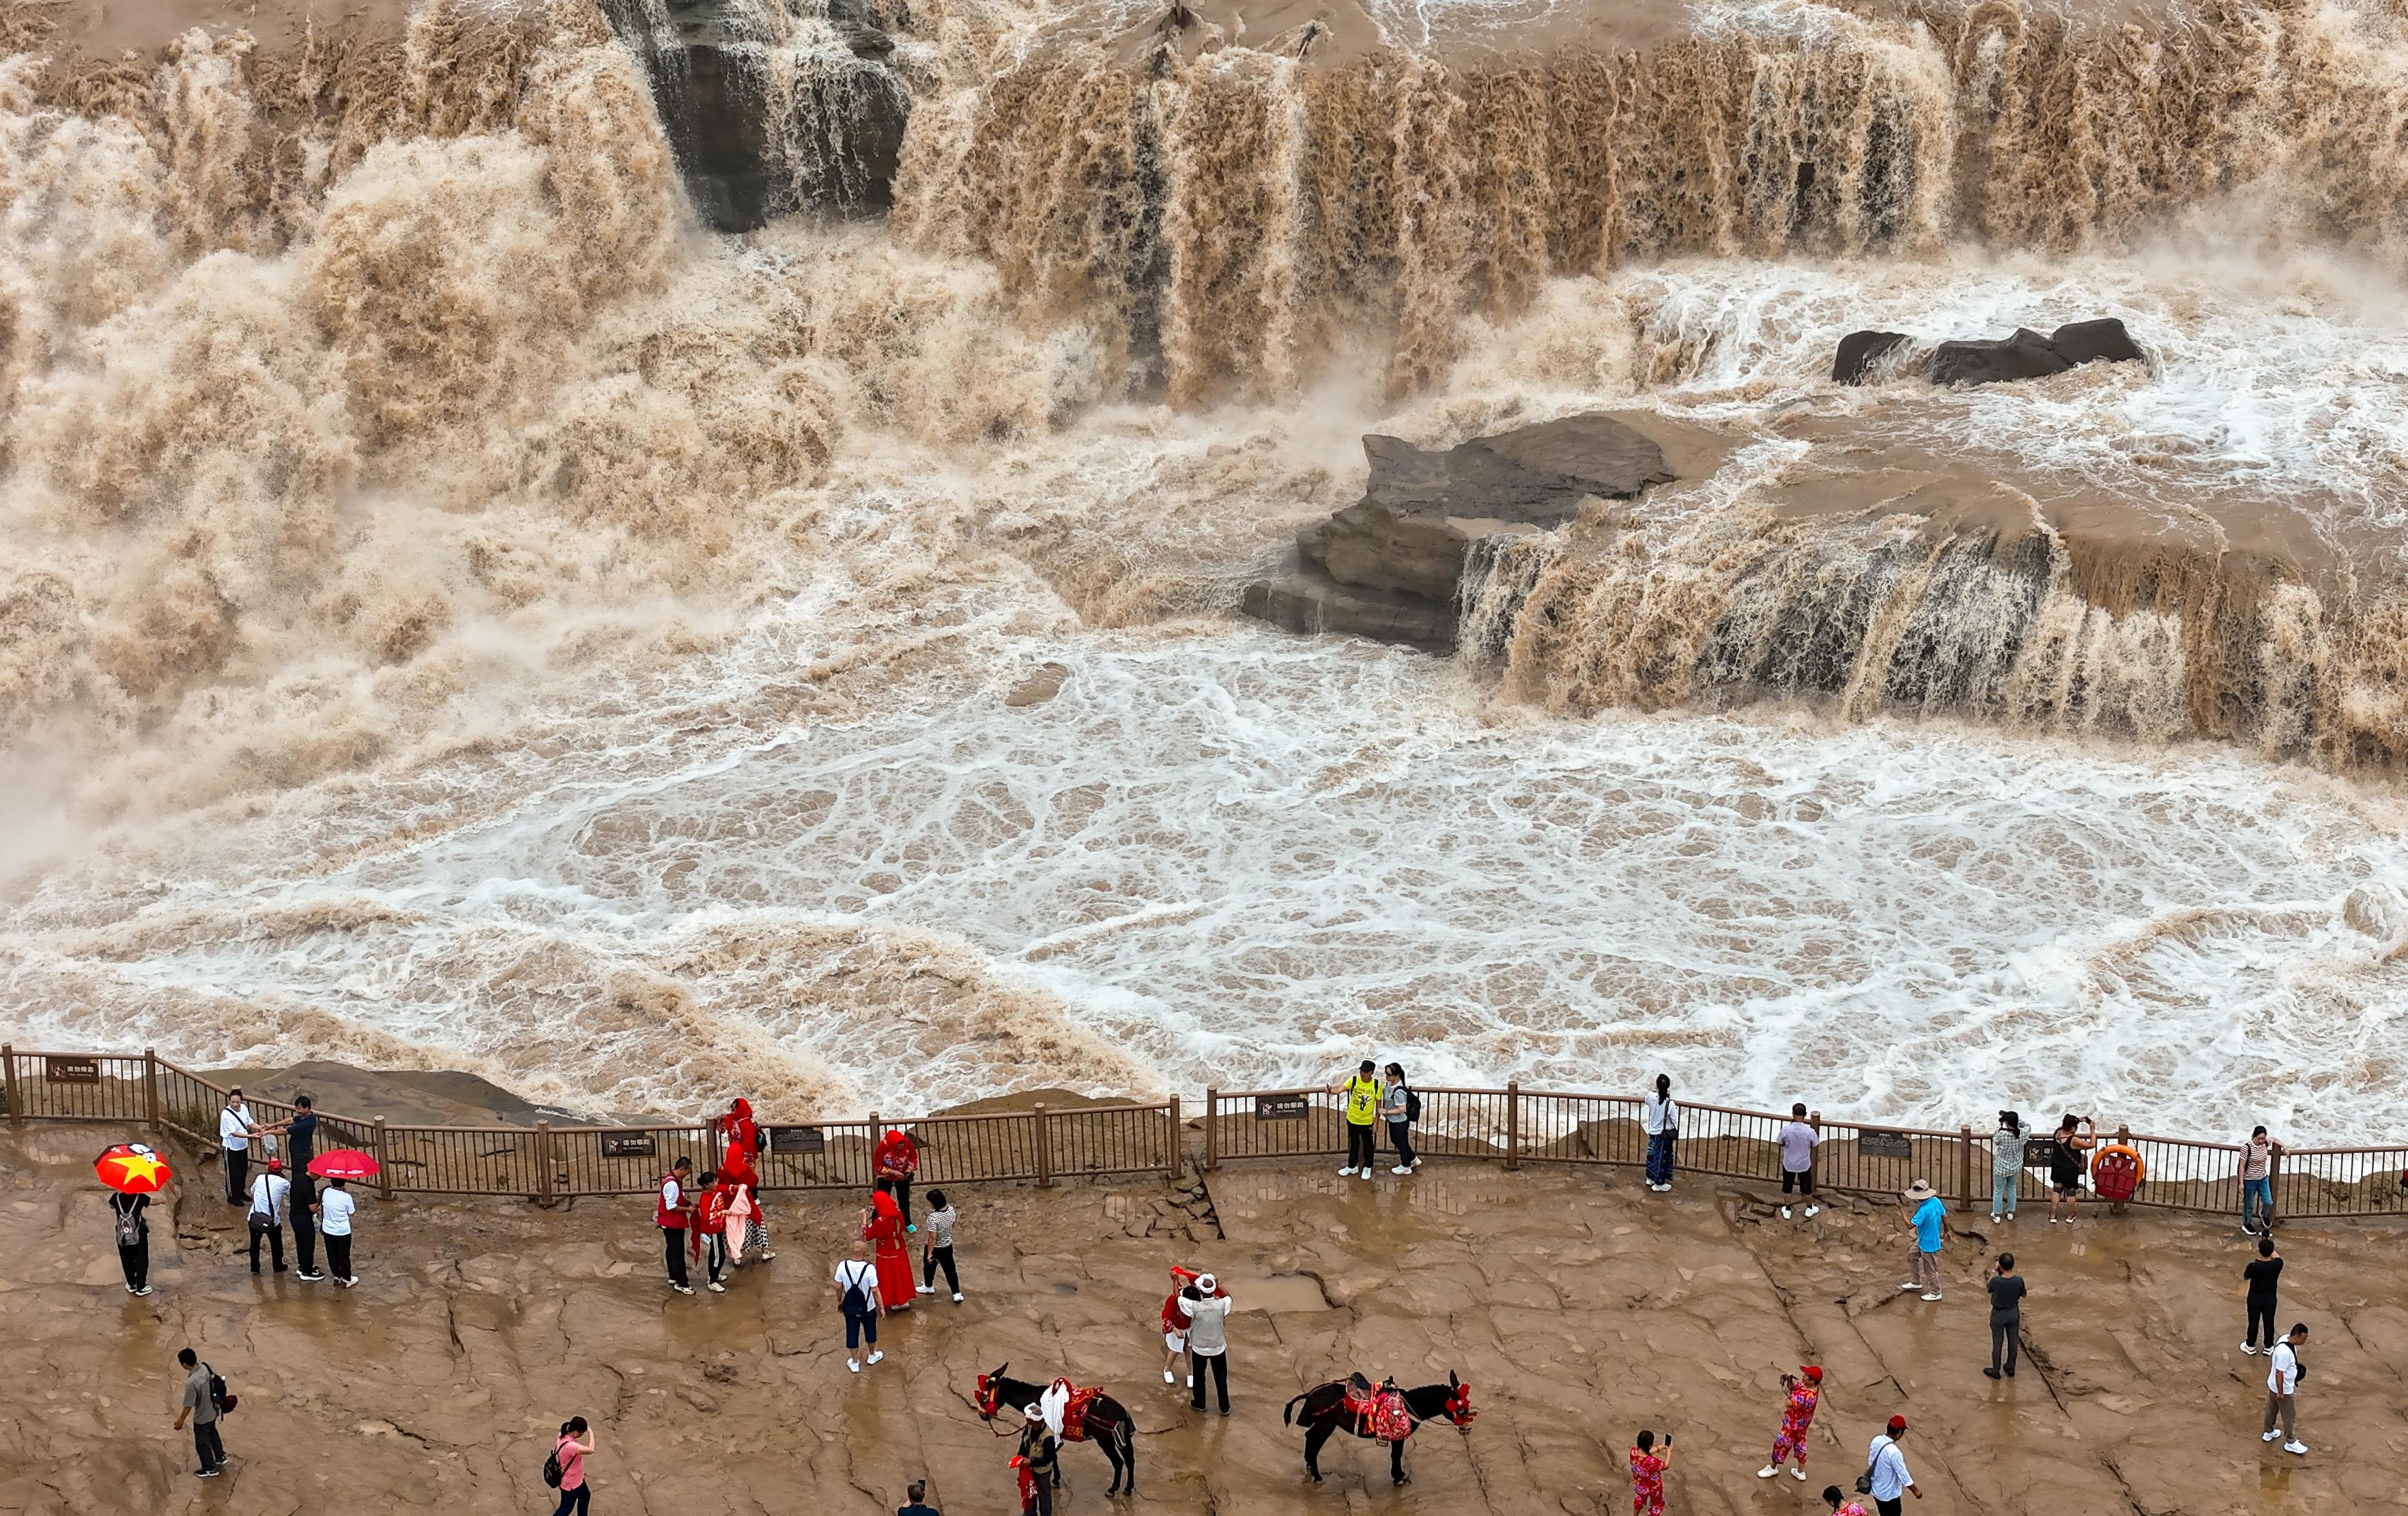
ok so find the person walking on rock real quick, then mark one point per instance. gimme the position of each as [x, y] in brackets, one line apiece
[2260, 1293]
[1647, 1468]
[672, 1210]
[1799, 1140]
[856, 1296]
[131, 1230]
[1929, 1215]
[1661, 1119]
[576, 1495]
[2075, 1136]
[1399, 1107]
[1208, 1338]
[200, 1407]
[234, 1132]
[1804, 1392]
[271, 1203]
[2282, 1389]
[336, 1207]
[2006, 1289]
[2258, 1157]
[2007, 1147]
[1886, 1466]
[1362, 1092]
[936, 1246]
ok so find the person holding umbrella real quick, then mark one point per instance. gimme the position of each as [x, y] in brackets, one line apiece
[134, 1173]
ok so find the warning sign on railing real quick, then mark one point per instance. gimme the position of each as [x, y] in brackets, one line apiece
[1282, 1107]
[71, 1070]
[1877, 1144]
[797, 1139]
[627, 1145]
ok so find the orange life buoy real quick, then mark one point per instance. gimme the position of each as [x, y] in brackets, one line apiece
[2116, 1170]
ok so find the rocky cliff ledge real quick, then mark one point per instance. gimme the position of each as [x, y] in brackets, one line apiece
[1391, 565]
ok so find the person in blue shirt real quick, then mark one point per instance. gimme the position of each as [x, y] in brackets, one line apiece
[1892, 1482]
[1928, 1214]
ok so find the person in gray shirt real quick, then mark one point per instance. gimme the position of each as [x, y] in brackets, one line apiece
[201, 1410]
[936, 1246]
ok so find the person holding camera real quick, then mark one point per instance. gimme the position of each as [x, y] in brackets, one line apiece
[2075, 1136]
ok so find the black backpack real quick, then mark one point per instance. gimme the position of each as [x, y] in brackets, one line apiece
[552, 1469]
[1413, 1104]
[855, 1302]
[218, 1395]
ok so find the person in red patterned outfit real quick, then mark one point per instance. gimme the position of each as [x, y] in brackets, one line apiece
[1796, 1417]
[1842, 1508]
[1647, 1475]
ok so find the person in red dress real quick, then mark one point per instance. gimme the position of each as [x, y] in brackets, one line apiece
[1647, 1475]
[897, 1158]
[882, 1225]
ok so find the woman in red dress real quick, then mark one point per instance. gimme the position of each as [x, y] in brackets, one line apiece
[882, 1225]
[897, 1158]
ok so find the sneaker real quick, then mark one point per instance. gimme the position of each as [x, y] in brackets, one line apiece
[1991, 1372]
[1996, 1218]
[1933, 1295]
[928, 1289]
[1909, 1284]
[354, 1279]
[1798, 1474]
[1346, 1173]
[2249, 1348]
[682, 1289]
[1402, 1169]
[1768, 1471]
[2270, 1436]
[1168, 1378]
[877, 1354]
[2295, 1447]
[764, 1255]
[1812, 1212]
[854, 1364]
[958, 1298]
[716, 1288]
[1785, 1213]
[310, 1275]
[213, 1473]
[1190, 1384]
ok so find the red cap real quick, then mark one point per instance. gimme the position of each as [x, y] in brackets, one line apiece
[1814, 1375]
[276, 1165]
[1898, 1424]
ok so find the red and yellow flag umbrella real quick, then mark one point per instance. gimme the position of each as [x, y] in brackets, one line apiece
[132, 1168]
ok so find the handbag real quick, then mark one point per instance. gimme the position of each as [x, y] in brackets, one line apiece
[1865, 1479]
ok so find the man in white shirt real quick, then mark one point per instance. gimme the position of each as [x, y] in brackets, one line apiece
[856, 1298]
[234, 1132]
[2282, 1389]
[271, 1202]
[334, 1208]
[1891, 1480]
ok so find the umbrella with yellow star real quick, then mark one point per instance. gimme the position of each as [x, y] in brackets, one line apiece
[132, 1168]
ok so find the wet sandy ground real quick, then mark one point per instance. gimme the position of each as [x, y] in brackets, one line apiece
[1580, 1308]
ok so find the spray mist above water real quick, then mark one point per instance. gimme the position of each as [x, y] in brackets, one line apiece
[456, 610]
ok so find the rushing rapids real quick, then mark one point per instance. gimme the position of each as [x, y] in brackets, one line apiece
[401, 487]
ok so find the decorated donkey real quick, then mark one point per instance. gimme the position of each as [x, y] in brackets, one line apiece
[1092, 1417]
[1385, 1413]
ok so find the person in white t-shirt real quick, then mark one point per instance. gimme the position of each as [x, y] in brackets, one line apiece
[2282, 1390]
[271, 1202]
[334, 1208]
[235, 1131]
[856, 1296]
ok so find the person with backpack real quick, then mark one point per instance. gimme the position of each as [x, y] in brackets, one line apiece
[271, 1201]
[336, 1204]
[1661, 1119]
[131, 1230]
[856, 1296]
[1401, 1106]
[2282, 1389]
[205, 1401]
[1362, 1092]
[672, 1208]
[565, 1470]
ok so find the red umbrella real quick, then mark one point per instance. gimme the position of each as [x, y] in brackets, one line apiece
[343, 1164]
[132, 1168]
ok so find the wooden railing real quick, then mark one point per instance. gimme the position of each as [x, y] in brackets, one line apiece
[1515, 1126]
[545, 1161]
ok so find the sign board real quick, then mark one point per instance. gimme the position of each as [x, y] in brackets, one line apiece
[797, 1139]
[2040, 1153]
[1282, 1107]
[71, 1070]
[1873, 1144]
[627, 1145]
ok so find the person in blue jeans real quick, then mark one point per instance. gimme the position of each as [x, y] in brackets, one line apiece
[1661, 1119]
[2258, 1157]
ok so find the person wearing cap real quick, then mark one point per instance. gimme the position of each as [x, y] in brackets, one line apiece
[1928, 1214]
[1037, 1461]
[1362, 1093]
[1208, 1338]
[1805, 1391]
[271, 1204]
[1891, 1480]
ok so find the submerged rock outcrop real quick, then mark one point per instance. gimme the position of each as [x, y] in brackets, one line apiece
[2024, 355]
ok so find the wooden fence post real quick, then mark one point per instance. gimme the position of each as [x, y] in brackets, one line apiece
[1044, 1148]
[384, 1164]
[8, 1062]
[1211, 1128]
[151, 1087]
[1965, 1168]
[1513, 1124]
[543, 1180]
[1172, 1149]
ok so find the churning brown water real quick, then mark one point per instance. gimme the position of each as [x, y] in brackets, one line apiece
[456, 610]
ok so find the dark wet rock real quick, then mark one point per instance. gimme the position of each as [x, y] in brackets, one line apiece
[1309, 601]
[748, 151]
[2025, 355]
[1860, 350]
[2103, 340]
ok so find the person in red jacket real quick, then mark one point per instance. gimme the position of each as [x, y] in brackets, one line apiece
[672, 1208]
[897, 1158]
[709, 1230]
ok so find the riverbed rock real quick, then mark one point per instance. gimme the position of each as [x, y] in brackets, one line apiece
[2025, 355]
[1860, 350]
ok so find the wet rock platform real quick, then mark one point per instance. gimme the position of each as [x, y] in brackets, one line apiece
[1579, 1307]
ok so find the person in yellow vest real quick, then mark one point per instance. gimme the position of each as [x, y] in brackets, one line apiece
[1361, 1094]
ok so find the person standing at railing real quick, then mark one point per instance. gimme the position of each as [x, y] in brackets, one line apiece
[1799, 1140]
[672, 1211]
[2258, 1157]
[898, 1161]
[300, 1131]
[1362, 1092]
[2260, 1294]
[1400, 1106]
[2007, 1148]
[1661, 1119]
[235, 1131]
[2075, 1136]
[1928, 1215]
